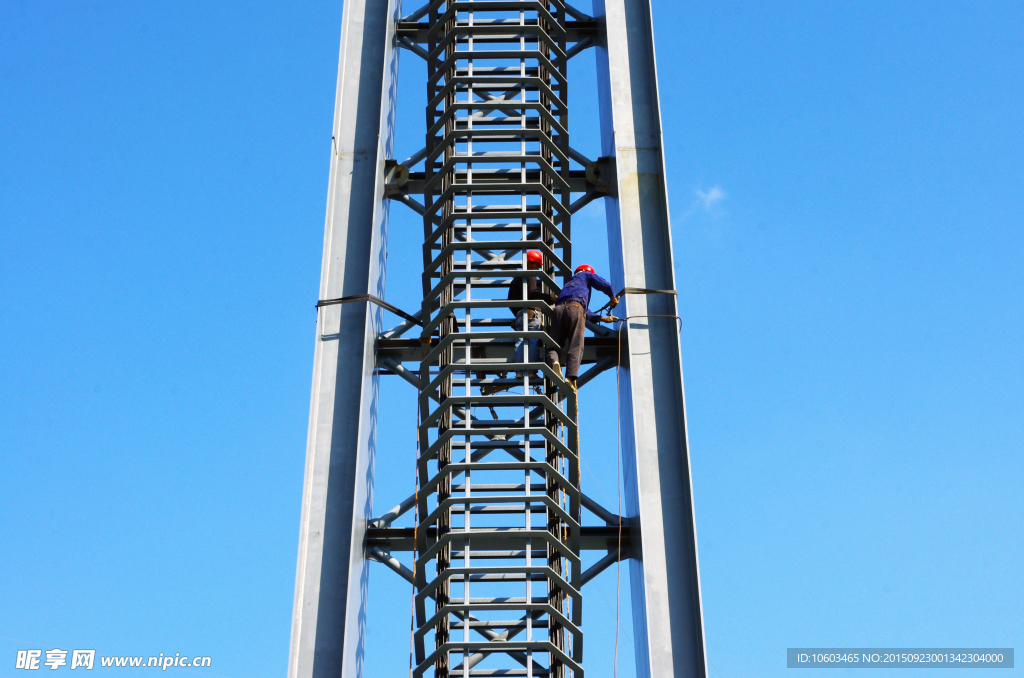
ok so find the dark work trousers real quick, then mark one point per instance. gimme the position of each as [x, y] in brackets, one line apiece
[567, 327]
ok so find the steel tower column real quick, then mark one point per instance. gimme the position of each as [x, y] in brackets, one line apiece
[331, 576]
[668, 619]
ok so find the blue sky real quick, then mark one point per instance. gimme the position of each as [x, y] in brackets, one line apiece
[846, 182]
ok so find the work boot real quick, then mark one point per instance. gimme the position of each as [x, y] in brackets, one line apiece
[572, 383]
[557, 368]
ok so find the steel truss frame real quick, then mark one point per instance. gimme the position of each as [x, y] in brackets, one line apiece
[497, 567]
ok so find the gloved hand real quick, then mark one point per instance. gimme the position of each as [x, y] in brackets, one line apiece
[614, 302]
[609, 319]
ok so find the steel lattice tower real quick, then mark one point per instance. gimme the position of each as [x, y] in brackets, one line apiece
[497, 572]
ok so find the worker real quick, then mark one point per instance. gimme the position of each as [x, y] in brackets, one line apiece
[527, 319]
[570, 316]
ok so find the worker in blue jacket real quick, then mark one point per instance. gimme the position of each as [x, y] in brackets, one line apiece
[571, 312]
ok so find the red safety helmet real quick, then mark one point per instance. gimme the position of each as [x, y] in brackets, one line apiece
[534, 257]
[583, 267]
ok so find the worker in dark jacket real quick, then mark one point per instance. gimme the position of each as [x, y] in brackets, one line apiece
[571, 313]
[529, 319]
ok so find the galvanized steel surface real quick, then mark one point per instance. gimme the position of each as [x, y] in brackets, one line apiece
[498, 581]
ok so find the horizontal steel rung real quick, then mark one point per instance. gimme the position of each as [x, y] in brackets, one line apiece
[496, 673]
[498, 487]
[496, 577]
[495, 511]
[592, 538]
[520, 600]
[517, 623]
[574, 30]
[411, 350]
[500, 555]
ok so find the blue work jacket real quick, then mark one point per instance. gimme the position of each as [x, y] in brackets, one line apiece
[578, 289]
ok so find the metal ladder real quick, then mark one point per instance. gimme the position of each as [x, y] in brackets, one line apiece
[498, 572]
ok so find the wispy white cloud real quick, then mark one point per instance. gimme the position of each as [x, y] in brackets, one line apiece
[710, 197]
